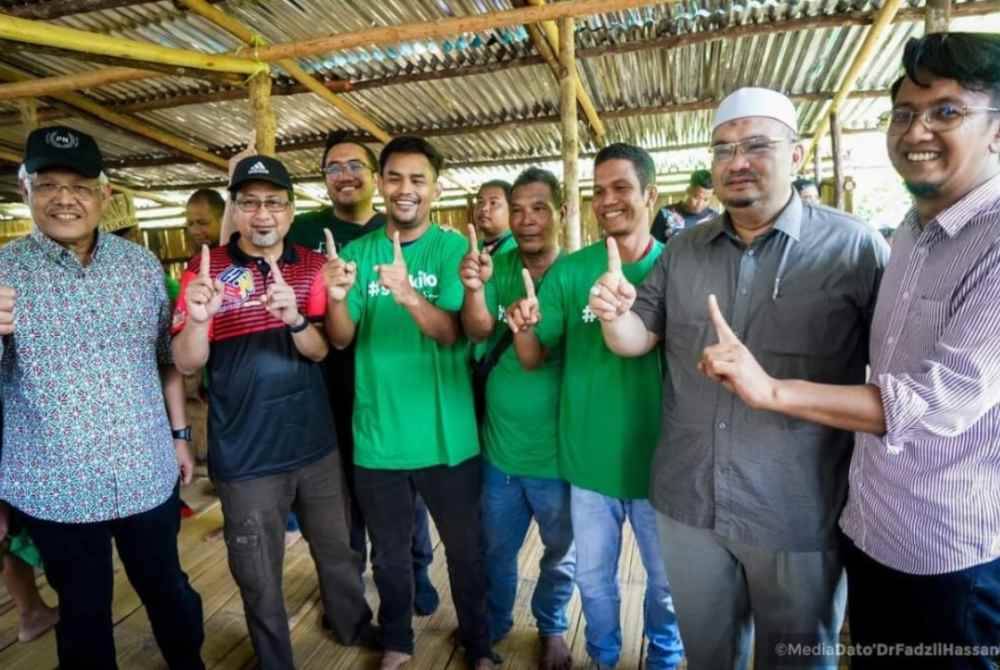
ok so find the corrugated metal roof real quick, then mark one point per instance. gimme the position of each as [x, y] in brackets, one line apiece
[808, 61]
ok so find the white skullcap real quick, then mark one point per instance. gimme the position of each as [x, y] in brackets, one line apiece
[746, 102]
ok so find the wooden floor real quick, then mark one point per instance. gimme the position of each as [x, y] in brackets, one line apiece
[227, 645]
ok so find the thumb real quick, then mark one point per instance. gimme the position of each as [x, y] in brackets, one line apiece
[722, 329]
[614, 258]
[331, 246]
[206, 266]
[397, 250]
[473, 240]
[275, 270]
[252, 142]
[529, 284]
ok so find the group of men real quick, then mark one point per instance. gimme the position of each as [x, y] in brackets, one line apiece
[713, 391]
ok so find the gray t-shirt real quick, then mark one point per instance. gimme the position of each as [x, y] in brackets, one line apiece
[801, 297]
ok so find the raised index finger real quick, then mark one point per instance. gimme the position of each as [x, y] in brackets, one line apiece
[278, 277]
[397, 250]
[473, 240]
[331, 246]
[614, 258]
[722, 329]
[529, 284]
[205, 271]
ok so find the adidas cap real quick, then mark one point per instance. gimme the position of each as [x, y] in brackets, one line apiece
[260, 168]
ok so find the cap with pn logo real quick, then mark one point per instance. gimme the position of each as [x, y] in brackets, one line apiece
[62, 147]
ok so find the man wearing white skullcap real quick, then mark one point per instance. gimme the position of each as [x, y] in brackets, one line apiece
[748, 501]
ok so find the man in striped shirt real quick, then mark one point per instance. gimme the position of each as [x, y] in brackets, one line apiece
[922, 521]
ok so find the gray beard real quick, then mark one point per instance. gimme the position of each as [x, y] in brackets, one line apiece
[265, 240]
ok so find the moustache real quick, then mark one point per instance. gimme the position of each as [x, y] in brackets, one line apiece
[743, 174]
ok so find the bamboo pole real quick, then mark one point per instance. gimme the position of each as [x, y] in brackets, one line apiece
[263, 114]
[129, 123]
[551, 32]
[48, 34]
[838, 161]
[73, 82]
[938, 16]
[28, 109]
[864, 55]
[10, 156]
[570, 130]
[245, 34]
[449, 27]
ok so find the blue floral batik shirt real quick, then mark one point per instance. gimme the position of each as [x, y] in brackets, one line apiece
[85, 431]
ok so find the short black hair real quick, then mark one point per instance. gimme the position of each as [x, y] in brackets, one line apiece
[643, 163]
[803, 183]
[500, 184]
[210, 197]
[536, 175]
[335, 137]
[971, 59]
[411, 144]
[701, 179]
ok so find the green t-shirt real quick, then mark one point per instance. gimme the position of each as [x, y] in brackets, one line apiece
[413, 397]
[520, 431]
[307, 229]
[609, 411]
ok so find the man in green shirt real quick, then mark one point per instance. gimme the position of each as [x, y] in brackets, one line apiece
[520, 431]
[492, 217]
[397, 293]
[609, 411]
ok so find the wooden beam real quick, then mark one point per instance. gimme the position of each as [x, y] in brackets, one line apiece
[350, 112]
[48, 34]
[28, 109]
[568, 97]
[128, 123]
[10, 156]
[46, 10]
[423, 31]
[552, 36]
[861, 59]
[938, 16]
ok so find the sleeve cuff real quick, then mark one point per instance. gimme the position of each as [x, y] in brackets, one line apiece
[903, 409]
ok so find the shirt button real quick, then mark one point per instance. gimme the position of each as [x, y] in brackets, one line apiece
[723, 425]
[891, 340]
[906, 295]
[750, 252]
[744, 291]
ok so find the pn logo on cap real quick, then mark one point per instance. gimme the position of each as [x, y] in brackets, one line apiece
[258, 168]
[62, 140]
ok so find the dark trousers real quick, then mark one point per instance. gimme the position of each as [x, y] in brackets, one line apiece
[888, 607]
[452, 495]
[78, 566]
[255, 513]
[340, 375]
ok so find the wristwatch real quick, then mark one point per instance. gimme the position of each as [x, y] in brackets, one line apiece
[299, 327]
[182, 433]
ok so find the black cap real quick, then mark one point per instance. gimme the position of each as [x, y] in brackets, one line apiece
[62, 147]
[260, 168]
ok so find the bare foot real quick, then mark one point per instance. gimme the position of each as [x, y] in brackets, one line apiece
[215, 535]
[555, 654]
[393, 660]
[292, 536]
[486, 664]
[36, 624]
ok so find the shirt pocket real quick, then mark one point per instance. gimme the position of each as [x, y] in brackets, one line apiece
[812, 324]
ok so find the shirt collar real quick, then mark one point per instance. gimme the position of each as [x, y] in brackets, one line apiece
[954, 218]
[58, 253]
[288, 254]
[789, 222]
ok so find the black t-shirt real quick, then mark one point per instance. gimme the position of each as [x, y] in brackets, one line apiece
[674, 218]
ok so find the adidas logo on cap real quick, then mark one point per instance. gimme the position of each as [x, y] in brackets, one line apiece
[258, 168]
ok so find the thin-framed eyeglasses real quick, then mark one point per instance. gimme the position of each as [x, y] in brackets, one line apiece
[353, 168]
[49, 189]
[251, 205]
[939, 118]
[752, 147]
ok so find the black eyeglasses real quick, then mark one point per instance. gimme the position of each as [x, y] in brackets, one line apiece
[354, 168]
[939, 118]
[251, 205]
